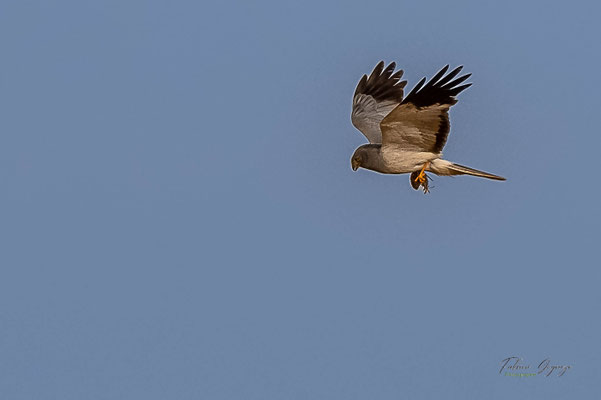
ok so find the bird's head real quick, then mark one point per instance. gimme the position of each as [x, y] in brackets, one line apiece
[358, 158]
[367, 156]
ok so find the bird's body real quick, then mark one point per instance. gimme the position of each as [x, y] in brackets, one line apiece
[407, 134]
[392, 160]
[399, 161]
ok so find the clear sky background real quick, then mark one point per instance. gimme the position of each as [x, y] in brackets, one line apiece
[180, 220]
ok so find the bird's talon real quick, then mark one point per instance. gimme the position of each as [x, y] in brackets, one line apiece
[420, 179]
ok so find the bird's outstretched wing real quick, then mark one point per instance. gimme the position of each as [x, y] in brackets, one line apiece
[421, 121]
[374, 98]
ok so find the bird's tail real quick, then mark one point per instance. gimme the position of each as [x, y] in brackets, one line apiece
[444, 167]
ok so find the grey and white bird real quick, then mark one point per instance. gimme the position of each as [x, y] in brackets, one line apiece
[407, 134]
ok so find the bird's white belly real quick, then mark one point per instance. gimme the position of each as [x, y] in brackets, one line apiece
[402, 161]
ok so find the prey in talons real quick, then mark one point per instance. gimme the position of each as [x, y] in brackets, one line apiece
[420, 179]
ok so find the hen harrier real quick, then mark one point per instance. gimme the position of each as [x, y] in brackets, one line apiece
[407, 134]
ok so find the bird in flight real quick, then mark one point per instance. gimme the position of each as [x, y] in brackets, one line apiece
[407, 134]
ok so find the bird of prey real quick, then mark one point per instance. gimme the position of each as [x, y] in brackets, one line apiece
[407, 134]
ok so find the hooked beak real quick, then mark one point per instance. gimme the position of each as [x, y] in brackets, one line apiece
[354, 164]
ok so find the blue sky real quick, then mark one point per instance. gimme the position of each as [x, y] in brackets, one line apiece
[180, 219]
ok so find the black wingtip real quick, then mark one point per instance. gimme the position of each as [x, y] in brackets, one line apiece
[438, 75]
[440, 89]
[378, 69]
[382, 83]
[397, 75]
[461, 88]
